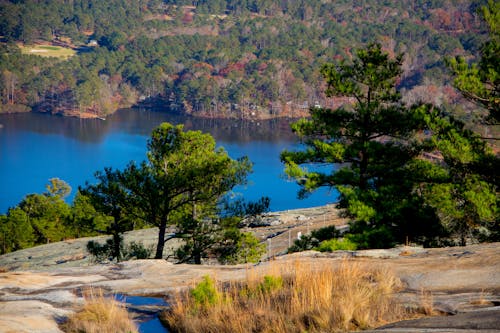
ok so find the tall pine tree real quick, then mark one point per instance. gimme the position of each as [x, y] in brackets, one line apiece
[371, 138]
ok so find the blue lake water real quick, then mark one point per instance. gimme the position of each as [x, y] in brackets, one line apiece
[150, 323]
[37, 147]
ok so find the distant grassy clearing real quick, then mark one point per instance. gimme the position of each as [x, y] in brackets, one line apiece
[48, 51]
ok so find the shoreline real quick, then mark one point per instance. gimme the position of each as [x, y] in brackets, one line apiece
[297, 114]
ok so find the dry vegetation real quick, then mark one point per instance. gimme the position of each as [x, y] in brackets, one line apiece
[302, 298]
[100, 314]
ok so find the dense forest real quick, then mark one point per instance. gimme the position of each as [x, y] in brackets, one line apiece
[219, 58]
[406, 171]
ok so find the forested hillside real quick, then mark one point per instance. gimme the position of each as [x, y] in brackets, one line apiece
[218, 58]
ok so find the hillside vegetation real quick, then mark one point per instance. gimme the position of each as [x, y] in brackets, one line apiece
[223, 58]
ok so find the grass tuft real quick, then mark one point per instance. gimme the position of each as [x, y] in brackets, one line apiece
[299, 298]
[100, 314]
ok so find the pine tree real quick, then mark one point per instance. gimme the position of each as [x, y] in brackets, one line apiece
[368, 142]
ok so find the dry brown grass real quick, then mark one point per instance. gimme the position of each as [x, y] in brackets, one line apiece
[100, 314]
[308, 299]
[427, 303]
[481, 299]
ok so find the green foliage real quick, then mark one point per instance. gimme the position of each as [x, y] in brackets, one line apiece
[325, 233]
[85, 220]
[181, 183]
[304, 243]
[373, 137]
[371, 238]
[138, 251]
[480, 82]
[261, 57]
[205, 293]
[58, 188]
[16, 232]
[240, 247]
[48, 215]
[102, 252]
[242, 208]
[345, 244]
[270, 284]
[110, 197]
[106, 252]
[465, 194]
[309, 242]
[43, 218]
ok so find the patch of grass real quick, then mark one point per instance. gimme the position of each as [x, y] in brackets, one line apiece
[52, 48]
[100, 314]
[48, 51]
[300, 298]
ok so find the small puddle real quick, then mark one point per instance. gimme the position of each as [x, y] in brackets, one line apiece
[146, 311]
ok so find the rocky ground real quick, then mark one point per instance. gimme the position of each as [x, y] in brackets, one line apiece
[40, 286]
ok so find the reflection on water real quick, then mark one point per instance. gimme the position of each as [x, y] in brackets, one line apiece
[148, 309]
[37, 147]
[142, 122]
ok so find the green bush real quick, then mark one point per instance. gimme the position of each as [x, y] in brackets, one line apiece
[205, 293]
[270, 284]
[306, 242]
[379, 238]
[336, 245]
[138, 251]
[325, 233]
[103, 252]
[309, 242]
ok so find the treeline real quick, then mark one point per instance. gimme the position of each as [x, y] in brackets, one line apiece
[219, 58]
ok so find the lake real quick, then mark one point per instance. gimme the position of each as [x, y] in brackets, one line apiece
[36, 147]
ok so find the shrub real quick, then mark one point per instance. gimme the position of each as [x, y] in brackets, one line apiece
[138, 251]
[337, 244]
[103, 252]
[306, 242]
[240, 248]
[100, 314]
[205, 293]
[379, 238]
[326, 233]
[271, 283]
[100, 252]
[298, 298]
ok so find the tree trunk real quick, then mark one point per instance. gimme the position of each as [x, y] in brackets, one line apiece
[161, 239]
[116, 245]
[197, 257]
[363, 167]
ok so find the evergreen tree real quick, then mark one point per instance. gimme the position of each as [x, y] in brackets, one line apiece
[184, 170]
[480, 82]
[371, 138]
[463, 185]
[111, 198]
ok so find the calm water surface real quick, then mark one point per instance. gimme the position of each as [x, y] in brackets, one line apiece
[37, 147]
